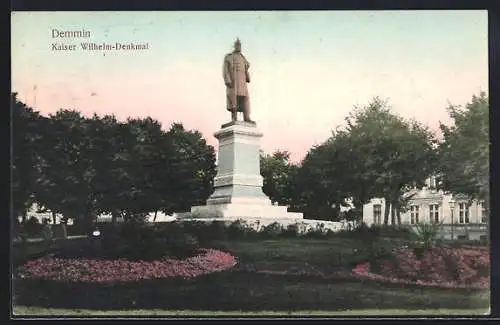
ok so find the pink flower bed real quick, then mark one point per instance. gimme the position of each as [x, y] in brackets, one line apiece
[94, 270]
[438, 266]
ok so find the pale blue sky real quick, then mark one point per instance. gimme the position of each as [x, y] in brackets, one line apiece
[414, 37]
[313, 65]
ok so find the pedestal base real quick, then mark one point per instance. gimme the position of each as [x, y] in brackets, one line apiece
[238, 184]
[244, 211]
[258, 223]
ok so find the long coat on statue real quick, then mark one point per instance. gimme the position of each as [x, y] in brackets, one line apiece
[235, 72]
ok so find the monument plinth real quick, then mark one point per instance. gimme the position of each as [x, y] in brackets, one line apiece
[238, 184]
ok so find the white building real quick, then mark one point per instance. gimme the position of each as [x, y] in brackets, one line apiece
[431, 205]
[40, 214]
[160, 217]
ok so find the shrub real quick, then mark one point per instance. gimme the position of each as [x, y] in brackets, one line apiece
[317, 232]
[372, 231]
[208, 214]
[427, 235]
[196, 228]
[73, 230]
[330, 233]
[370, 234]
[292, 231]
[346, 233]
[60, 230]
[33, 227]
[78, 228]
[110, 234]
[181, 245]
[272, 230]
[367, 235]
[239, 229]
[396, 231]
[136, 218]
[217, 230]
[143, 242]
[470, 242]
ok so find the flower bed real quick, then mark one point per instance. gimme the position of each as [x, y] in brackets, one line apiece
[101, 271]
[442, 266]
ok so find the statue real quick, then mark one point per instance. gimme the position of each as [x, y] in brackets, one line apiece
[236, 77]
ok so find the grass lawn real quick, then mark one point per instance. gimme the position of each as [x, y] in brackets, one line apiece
[257, 286]
[21, 311]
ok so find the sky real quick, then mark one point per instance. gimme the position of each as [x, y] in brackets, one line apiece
[308, 69]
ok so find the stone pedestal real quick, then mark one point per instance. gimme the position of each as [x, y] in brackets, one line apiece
[238, 184]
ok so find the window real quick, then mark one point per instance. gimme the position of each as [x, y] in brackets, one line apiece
[377, 214]
[434, 213]
[414, 214]
[463, 213]
[432, 183]
[484, 213]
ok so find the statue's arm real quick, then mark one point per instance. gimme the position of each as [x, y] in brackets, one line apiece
[248, 76]
[247, 65]
[226, 73]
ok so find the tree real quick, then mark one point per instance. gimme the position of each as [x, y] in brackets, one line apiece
[152, 170]
[25, 126]
[81, 167]
[377, 154]
[464, 151]
[126, 183]
[324, 181]
[105, 145]
[397, 154]
[278, 176]
[192, 166]
[67, 171]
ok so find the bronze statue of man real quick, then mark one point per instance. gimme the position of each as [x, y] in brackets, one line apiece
[236, 77]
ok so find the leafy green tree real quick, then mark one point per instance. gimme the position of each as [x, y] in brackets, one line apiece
[131, 179]
[66, 167]
[377, 154]
[399, 153]
[279, 175]
[105, 148]
[192, 169]
[81, 167]
[323, 180]
[25, 126]
[152, 170]
[464, 151]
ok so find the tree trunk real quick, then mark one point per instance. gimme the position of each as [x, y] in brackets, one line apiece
[88, 219]
[53, 218]
[64, 230]
[386, 211]
[113, 218]
[398, 214]
[23, 216]
[488, 215]
[337, 211]
[154, 218]
[393, 215]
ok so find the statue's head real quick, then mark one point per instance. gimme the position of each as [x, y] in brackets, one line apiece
[237, 45]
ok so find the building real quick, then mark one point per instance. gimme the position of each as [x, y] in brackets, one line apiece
[160, 217]
[429, 205]
[41, 214]
[35, 211]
